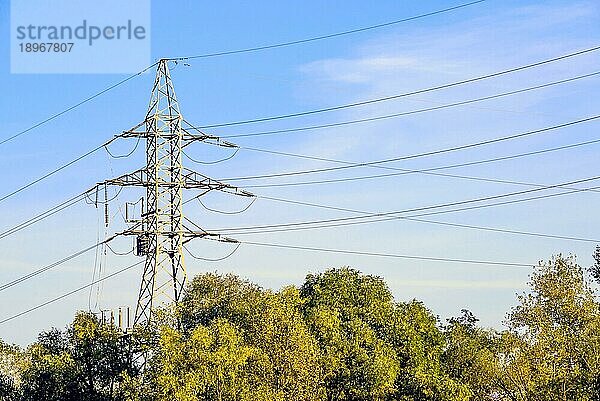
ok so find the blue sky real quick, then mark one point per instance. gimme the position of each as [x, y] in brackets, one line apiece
[484, 38]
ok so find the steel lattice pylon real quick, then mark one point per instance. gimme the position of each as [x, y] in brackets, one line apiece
[160, 231]
[164, 271]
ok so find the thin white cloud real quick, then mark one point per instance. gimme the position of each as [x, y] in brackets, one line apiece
[458, 48]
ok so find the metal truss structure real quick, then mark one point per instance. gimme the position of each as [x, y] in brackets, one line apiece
[160, 231]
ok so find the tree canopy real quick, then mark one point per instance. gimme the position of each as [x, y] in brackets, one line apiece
[340, 336]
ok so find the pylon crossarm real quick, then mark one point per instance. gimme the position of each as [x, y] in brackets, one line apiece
[205, 137]
[208, 235]
[237, 191]
[185, 233]
[194, 179]
[212, 237]
[188, 139]
[223, 238]
[137, 178]
[133, 132]
[190, 180]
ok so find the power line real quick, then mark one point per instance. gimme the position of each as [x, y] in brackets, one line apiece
[69, 293]
[228, 212]
[126, 155]
[284, 246]
[231, 156]
[84, 101]
[237, 246]
[407, 171]
[310, 225]
[74, 200]
[56, 170]
[43, 215]
[406, 94]
[105, 145]
[442, 223]
[433, 207]
[230, 52]
[508, 157]
[328, 36]
[235, 123]
[53, 210]
[54, 264]
[411, 112]
[431, 170]
[407, 157]
[387, 255]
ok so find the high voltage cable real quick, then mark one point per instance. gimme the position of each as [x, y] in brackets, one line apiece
[406, 113]
[535, 152]
[322, 37]
[52, 211]
[104, 145]
[270, 118]
[442, 223]
[74, 200]
[70, 293]
[427, 171]
[41, 216]
[54, 264]
[436, 212]
[430, 170]
[412, 156]
[347, 251]
[311, 225]
[230, 254]
[295, 247]
[229, 52]
[431, 207]
[406, 94]
[48, 267]
[56, 170]
[84, 101]
[387, 255]
[295, 155]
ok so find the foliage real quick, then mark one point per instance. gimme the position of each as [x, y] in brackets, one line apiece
[552, 348]
[9, 371]
[86, 363]
[280, 356]
[470, 355]
[338, 337]
[373, 348]
[594, 270]
[207, 364]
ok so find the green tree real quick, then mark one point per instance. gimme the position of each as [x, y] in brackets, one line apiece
[212, 296]
[470, 356]
[49, 371]
[552, 349]
[288, 357]
[10, 357]
[420, 344]
[373, 348]
[87, 362]
[284, 357]
[594, 270]
[208, 364]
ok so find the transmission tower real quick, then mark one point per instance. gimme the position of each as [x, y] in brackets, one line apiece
[160, 231]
